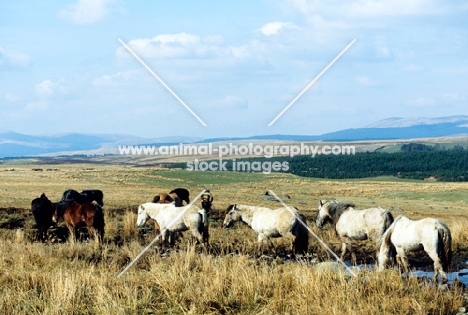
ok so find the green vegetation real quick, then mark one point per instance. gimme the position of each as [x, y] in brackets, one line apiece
[413, 161]
[449, 165]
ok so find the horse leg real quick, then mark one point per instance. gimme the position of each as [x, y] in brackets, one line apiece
[164, 236]
[438, 267]
[198, 236]
[262, 238]
[346, 246]
[42, 234]
[94, 232]
[403, 261]
[72, 231]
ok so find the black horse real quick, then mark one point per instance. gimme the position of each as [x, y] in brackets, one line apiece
[86, 196]
[180, 195]
[42, 209]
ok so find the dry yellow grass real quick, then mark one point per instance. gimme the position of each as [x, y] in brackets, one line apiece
[78, 278]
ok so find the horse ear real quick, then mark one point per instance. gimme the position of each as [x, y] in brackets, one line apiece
[321, 203]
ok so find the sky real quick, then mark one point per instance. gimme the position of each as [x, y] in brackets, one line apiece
[235, 65]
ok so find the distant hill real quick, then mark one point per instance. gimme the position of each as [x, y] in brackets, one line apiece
[14, 144]
[397, 122]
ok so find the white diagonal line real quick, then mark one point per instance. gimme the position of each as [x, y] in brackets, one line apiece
[159, 235]
[162, 82]
[312, 232]
[311, 83]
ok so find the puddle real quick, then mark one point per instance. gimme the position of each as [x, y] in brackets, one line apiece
[461, 275]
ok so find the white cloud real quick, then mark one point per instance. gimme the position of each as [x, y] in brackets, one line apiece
[49, 88]
[274, 28]
[85, 11]
[114, 79]
[182, 45]
[229, 102]
[366, 81]
[10, 60]
[164, 46]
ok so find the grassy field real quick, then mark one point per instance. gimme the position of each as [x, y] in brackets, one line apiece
[80, 278]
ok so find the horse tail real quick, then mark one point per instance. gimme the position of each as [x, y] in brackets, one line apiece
[301, 243]
[444, 247]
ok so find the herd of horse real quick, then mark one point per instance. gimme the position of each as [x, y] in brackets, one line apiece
[75, 209]
[393, 237]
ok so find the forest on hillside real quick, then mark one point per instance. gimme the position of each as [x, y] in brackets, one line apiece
[414, 161]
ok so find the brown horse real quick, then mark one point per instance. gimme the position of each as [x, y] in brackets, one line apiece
[76, 215]
[178, 195]
[163, 198]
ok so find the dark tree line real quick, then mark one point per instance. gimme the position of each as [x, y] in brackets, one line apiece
[450, 165]
[414, 162]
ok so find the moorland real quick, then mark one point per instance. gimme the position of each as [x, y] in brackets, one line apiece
[61, 277]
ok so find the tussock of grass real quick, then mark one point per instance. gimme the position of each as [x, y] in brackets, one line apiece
[64, 279]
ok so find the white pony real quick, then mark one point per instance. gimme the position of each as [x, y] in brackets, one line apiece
[175, 219]
[351, 224]
[406, 235]
[271, 223]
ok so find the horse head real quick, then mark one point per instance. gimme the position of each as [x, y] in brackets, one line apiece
[206, 200]
[142, 216]
[93, 194]
[232, 215]
[323, 214]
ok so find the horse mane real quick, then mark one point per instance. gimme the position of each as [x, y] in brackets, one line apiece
[336, 208]
[230, 207]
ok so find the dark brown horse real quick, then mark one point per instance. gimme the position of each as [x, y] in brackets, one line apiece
[76, 215]
[42, 210]
[86, 196]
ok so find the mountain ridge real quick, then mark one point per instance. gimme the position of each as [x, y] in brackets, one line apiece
[13, 144]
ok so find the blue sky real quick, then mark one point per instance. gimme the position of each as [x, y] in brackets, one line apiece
[235, 64]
